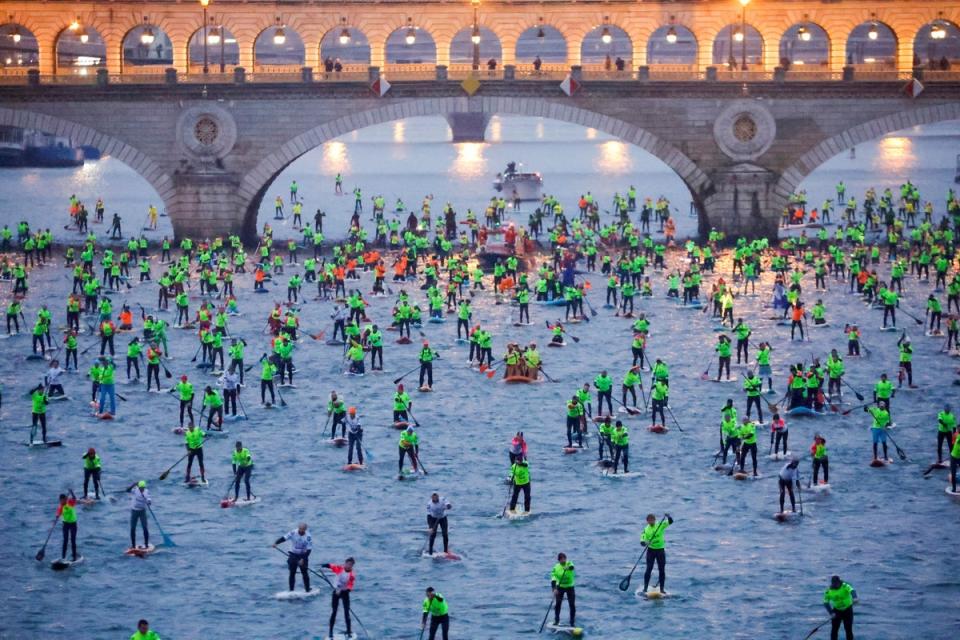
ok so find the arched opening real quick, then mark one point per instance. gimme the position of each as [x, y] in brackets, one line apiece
[672, 48]
[607, 47]
[345, 50]
[736, 47]
[278, 49]
[52, 168]
[411, 51]
[214, 49]
[80, 51]
[544, 49]
[147, 47]
[485, 54]
[805, 47]
[922, 155]
[18, 48]
[937, 46]
[873, 46]
[412, 158]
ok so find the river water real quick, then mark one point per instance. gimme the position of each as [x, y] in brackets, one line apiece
[734, 572]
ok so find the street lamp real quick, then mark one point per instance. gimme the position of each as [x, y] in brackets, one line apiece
[671, 33]
[147, 36]
[206, 59]
[540, 32]
[873, 34]
[84, 36]
[475, 36]
[938, 31]
[411, 36]
[279, 35]
[605, 36]
[743, 35]
[344, 33]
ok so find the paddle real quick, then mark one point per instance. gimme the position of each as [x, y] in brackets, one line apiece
[483, 366]
[817, 628]
[416, 459]
[163, 476]
[670, 411]
[167, 540]
[800, 494]
[283, 402]
[194, 358]
[544, 623]
[545, 374]
[506, 504]
[706, 372]
[910, 315]
[43, 549]
[900, 452]
[397, 380]
[225, 501]
[630, 410]
[322, 575]
[856, 393]
[593, 311]
[848, 411]
[625, 583]
[410, 412]
[492, 371]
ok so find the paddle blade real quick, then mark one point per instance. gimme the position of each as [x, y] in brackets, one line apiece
[167, 374]
[575, 339]
[483, 368]
[860, 396]
[168, 541]
[225, 503]
[397, 380]
[41, 554]
[490, 374]
[625, 584]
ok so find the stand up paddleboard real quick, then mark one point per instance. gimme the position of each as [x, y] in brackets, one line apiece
[784, 516]
[565, 629]
[44, 445]
[442, 555]
[242, 502]
[63, 563]
[658, 428]
[296, 595]
[652, 594]
[140, 552]
[354, 467]
[337, 442]
[877, 462]
[517, 514]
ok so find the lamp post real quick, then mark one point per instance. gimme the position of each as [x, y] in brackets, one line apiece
[743, 30]
[206, 60]
[475, 36]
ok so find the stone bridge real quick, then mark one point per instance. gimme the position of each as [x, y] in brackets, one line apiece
[211, 152]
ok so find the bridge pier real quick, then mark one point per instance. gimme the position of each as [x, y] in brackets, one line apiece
[743, 202]
[205, 205]
[469, 126]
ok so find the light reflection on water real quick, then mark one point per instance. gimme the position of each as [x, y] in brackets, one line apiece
[470, 161]
[335, 158]
[614, 158]
[895, 155]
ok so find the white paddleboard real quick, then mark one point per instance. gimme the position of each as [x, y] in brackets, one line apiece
[140, 551]
[296, 595]
[565, 629]
[62, 563]
[517, 514]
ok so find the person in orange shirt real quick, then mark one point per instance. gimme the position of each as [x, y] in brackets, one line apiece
[338, 277]
[797, 315]
[258, 277]
[669, 230]
[126, 318]
[379, 272]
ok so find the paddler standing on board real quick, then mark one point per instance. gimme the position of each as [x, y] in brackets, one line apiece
[652, 539]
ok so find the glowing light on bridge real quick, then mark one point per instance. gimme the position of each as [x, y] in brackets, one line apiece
[411, 36]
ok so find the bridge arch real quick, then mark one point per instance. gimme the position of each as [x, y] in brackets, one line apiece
[864, 132]
[936, 41]
[348, 44]
[254, 185]
[461, 46]
[673, 44]
[279, 46]
[80, 134]
[873, 43]
[733, 41]
[19, 47]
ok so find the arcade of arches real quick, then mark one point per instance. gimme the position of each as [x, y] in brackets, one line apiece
[143, 37]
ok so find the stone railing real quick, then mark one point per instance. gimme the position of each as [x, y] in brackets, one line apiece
[427, 72]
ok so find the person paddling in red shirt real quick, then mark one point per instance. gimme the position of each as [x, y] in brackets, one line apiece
[343, 581]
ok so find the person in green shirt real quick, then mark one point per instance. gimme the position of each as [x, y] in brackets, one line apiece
[630, 381]
[242, 464]
[883, 391]
[563, 578]
[575, 421]
[878, 430]
[723, 354]
[193, 439]
[213, 402]
[748, 444]
[184, 389]
[38, 400]
[426, 357]
[946, 425]
[652, 539]
[838, 600]
[143, 630]
[906, 360]
[520, 476]
[67, 511]
[435, 606]
[753, 386]
[604, 385]
[620, 438]
[91, 469]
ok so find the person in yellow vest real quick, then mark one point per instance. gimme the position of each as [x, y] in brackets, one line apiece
[67, 511]
[563, 580]
[143, 632]
[435, 606]
[838, 601]
[652, 539]
[193, 439]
